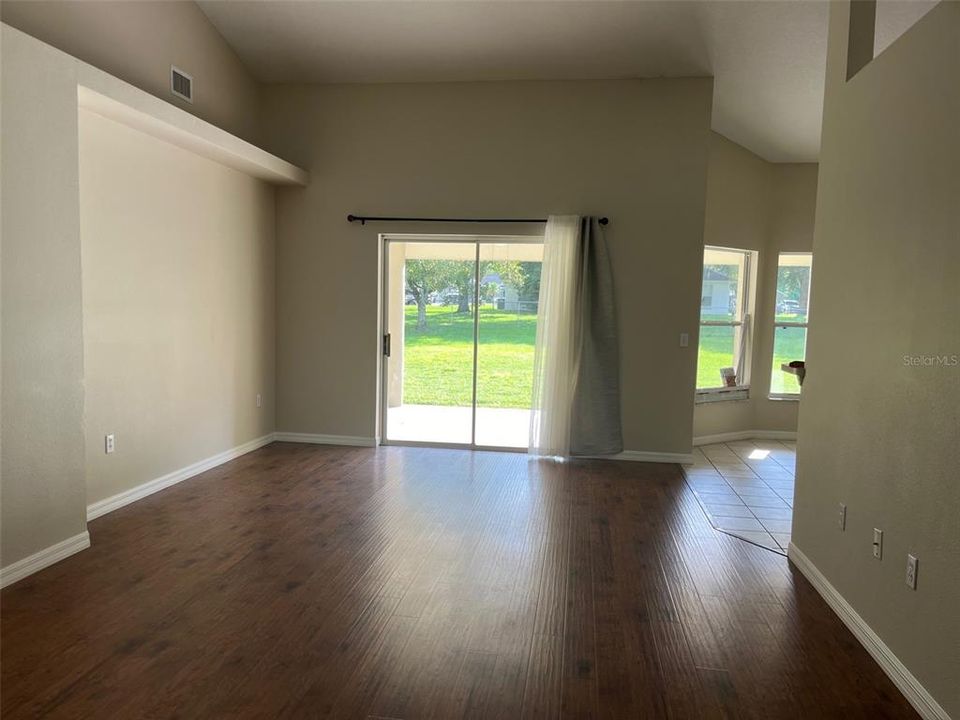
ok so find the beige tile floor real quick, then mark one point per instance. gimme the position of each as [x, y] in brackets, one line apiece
[746, 488]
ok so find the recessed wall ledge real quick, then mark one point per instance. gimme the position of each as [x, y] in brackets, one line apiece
[106, 95]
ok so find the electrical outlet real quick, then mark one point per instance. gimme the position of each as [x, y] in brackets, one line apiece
[842, 519]
[911, 572]
[259, 400]
[684, 339]
[109, 444]
[877, 543]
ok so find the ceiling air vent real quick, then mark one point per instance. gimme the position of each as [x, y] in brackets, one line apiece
[181, 84]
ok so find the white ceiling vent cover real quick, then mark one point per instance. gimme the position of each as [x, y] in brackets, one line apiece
[181, 84]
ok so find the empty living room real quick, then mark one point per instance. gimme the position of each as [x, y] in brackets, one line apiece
[405, 359]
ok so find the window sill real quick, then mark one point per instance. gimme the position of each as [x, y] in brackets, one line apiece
[789, 397]
[713, 395]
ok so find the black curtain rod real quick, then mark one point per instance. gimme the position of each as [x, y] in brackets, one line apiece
[364, 219]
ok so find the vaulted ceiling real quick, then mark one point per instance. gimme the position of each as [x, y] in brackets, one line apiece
[767, 57]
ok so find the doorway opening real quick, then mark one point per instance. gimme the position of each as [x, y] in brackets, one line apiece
[460, 325]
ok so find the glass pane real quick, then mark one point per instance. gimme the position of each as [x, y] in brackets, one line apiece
[717, 344]
[724, 273]
[430, 319]
[789, 343]
[509, 291]
[793, 287]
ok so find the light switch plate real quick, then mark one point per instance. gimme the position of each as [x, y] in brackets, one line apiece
[911, 577]
[877, 543]
[684, 339]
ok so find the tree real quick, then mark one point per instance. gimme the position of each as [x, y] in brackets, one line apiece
[462, 277]
[529, 287]
[422, 278]
[731, 272]
[511, 272]
[425, 277]
[793, 283]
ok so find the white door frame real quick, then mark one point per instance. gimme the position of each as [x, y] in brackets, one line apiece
[382, 366]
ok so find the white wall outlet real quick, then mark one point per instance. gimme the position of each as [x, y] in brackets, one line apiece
[911, 577]
[684, 339]
[259, 400]
[842, 519]
[109, 444]
[877, 543]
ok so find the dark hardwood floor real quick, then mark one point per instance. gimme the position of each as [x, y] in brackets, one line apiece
[307, 581]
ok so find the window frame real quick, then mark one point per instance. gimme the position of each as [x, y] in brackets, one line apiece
[745, 313]
[790, 396]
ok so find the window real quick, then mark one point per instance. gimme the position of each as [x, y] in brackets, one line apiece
[723, 357]
[790, 323]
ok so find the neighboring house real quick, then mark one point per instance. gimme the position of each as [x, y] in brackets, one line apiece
[507, 297]
[718, 291]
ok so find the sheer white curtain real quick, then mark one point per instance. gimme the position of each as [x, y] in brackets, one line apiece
[557, 350]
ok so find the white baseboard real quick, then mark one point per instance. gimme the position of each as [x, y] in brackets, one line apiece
[350, 440]
[911, 688]
[115, 502]
[359, 441]
[658, 457]
[745, 435]
[44, 558]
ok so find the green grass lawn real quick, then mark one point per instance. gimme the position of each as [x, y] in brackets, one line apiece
[716, 351]
[789, 344]
[438, 361]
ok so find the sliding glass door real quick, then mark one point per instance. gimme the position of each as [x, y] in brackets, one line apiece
[429, 351]
[460, 322]
[506, 333]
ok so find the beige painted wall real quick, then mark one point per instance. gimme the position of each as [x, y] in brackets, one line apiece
[793, 212]
[876, 432]
[203, 278]
[633, 150]
[139, 41]
[756, 205]
[178, 305]
[42, 489]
